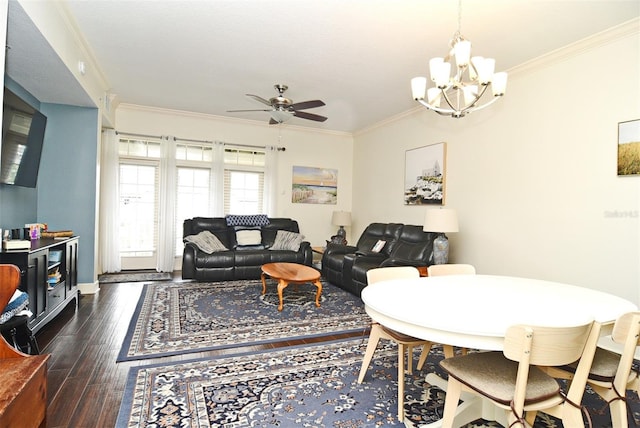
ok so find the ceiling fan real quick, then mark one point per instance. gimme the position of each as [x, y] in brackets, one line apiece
[282, 108]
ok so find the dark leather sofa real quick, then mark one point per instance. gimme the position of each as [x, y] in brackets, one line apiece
[237, 262]
[405, 245]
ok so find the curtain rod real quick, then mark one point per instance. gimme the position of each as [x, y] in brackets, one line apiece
[161, 137]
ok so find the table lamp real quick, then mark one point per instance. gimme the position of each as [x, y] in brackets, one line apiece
[441, 221]
[341, 219]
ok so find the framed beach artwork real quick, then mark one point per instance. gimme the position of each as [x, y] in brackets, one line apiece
[629, 147]
[314, 185]
[425, 172]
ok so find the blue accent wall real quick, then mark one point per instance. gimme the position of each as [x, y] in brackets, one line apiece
[68, 175]
[18, 205]
[65, 196]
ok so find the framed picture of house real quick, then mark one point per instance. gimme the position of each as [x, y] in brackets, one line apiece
[425, 172]
[314, 185]
[629, 147]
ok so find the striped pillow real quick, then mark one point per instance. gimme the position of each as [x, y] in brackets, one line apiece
[286, 240]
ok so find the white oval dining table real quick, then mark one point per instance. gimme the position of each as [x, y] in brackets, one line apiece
[474, 311]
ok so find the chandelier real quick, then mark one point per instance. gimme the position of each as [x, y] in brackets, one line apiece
[462, 90]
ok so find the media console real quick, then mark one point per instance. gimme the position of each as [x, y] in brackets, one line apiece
[49, 274]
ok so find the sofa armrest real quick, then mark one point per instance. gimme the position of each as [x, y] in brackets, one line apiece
[400, 262]
[339, 249]
[188, 261]
[305, 248]
[368, 257]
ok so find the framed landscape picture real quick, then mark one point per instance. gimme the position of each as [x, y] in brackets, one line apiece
[425, 171]
[314, 185]
[629, 147]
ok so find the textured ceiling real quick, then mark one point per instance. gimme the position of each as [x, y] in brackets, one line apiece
[358, 56]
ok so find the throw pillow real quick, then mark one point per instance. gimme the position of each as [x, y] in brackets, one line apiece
[206, 241]
[286, 240]
[246, 237]
[247, 220]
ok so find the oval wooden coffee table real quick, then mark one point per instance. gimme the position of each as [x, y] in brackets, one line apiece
[291, 273]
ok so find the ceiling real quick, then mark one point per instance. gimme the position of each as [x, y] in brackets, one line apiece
[358, 56]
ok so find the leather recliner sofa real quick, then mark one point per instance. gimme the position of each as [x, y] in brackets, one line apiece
[237, 262]
[404, 245]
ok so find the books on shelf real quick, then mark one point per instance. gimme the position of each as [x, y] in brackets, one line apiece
[54, 277]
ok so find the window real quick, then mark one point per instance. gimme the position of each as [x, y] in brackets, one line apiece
[192, 199]
[243, 192]
[139, 178]
[243, 181]
[194, 174]
[138, 210]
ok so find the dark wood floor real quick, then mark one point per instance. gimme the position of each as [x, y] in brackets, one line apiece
[85, 384]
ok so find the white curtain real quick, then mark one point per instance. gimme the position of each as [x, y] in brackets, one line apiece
[217, 179]
[109, 203]
[269, 200]
[167, 207]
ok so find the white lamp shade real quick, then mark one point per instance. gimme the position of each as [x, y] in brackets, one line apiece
[434, 67]
[341, 218]
[499, 84]
[485, 71]
[462, 51]
[441, 220]
[418, 87]
[443, 72]
[470, 94]
[281, 116]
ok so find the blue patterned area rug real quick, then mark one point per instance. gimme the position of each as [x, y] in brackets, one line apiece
[181, 317]
[303, 386]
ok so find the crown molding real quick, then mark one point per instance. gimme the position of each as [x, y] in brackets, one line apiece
[613, 34]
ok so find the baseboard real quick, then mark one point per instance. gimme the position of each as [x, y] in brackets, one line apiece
[89, 288]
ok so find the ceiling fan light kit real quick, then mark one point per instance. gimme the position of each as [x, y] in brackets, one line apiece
[460, 96]
[282, 109]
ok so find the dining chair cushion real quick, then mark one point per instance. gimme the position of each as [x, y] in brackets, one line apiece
[494, 376]
[604, 367]
[399, 337]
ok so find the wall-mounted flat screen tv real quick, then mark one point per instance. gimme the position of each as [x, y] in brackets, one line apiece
[22, 136]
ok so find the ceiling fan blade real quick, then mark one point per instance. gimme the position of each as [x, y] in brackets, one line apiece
[307, 104]
[272, 121]
[236, 111]
[259, 99]
[310, 116]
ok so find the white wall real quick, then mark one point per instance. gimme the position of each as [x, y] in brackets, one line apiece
[304, 147]
[533, 177]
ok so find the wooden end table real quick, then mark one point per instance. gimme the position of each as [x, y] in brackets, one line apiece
[290, 273]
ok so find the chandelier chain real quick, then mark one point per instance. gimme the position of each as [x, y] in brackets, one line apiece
[459, 16]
